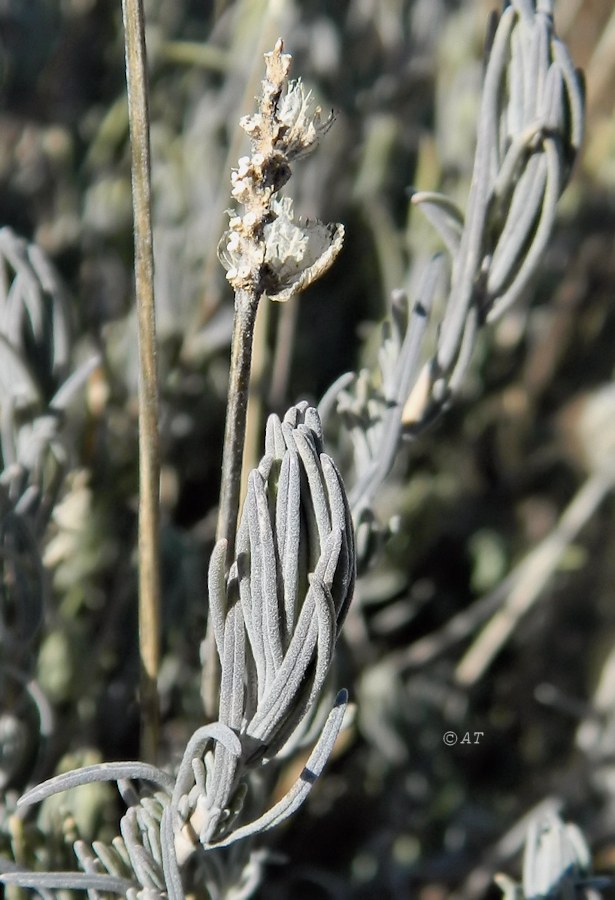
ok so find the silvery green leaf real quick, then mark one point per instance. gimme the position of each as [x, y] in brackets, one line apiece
[379, 457]
[443, 214]
[16, 379]
[232, 686]
[217, 592]
[33, 299]
[73, 384]
[530, 125]
[299, 791]
[523, 208]
[173, 882]
[23, 295]
[263, 548]
[147, 870]
[574, 95]
[196, 748]
[113, 863]
[317, 509]
[309, 513]
[288, 529]
[68, 881]
[556, 861]
[88, 863]
[283, 693]
[541, 233]
[327, 405]
[50, 283]
[99, 772]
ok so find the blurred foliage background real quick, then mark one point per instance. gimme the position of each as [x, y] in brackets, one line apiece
[399, 814]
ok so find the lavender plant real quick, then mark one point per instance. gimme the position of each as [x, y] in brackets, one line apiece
[36, 386]
[278, 592]
[529, 133]
[276, 617]
[556, 863]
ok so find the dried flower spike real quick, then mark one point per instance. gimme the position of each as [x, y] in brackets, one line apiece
[266, 250]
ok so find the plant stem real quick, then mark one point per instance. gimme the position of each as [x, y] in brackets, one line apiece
[149, 462]
[246, 306]
[252, 450]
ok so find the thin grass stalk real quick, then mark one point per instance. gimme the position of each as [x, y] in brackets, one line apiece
[534, 573]
[149, 454]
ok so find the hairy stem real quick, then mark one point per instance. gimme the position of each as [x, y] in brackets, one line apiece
[246, 306]
[149, 462]
[254, 415]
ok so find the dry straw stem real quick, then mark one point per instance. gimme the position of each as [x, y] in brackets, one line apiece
[531, 578]
[149, 461]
